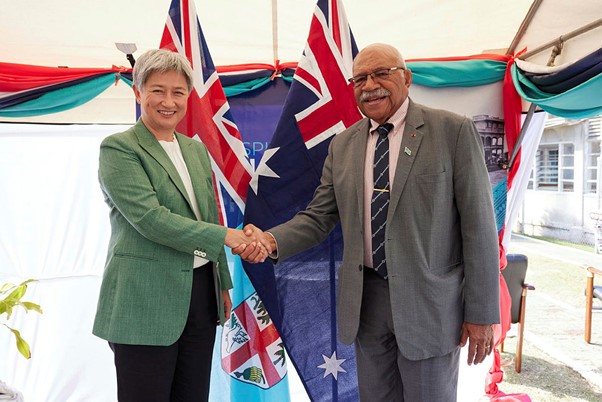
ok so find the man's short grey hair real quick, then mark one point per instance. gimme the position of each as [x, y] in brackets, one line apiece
[161, 61]
[389, 51]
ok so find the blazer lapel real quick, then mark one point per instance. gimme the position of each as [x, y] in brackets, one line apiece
[198, 176]
[150, 144]
[357, 145]
[410, 143]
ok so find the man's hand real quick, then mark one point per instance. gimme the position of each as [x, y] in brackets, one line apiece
[480, 341]
[239, 242]
[264, 240]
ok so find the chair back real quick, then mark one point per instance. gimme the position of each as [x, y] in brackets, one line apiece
[514, 275]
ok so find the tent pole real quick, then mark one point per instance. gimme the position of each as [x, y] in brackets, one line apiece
[563, 38]
[524, 25]
[275, 30]
[555, 52]
[523, 130]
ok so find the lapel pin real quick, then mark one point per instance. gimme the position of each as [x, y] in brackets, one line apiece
[413, 135]
[407, 151]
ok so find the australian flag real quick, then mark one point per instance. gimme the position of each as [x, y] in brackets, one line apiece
[250, 353]
[299, 293]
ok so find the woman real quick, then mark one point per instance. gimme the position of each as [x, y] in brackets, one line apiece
[166, 280]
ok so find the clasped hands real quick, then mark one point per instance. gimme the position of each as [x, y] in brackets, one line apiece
[251, 244]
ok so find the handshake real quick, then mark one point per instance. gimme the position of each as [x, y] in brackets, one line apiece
[251, 244]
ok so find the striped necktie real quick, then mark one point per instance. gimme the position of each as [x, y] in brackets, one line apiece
[380, 199]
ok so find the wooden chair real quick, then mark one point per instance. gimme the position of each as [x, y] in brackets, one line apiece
[514, 274]
[591, 291]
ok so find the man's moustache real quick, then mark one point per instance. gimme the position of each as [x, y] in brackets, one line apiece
[377, 93]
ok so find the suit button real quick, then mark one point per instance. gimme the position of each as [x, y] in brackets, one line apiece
[197, 252]
[203, 254]
[361, 267]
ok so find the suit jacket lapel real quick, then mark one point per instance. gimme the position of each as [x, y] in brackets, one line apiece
[198, 176]
[152, 146]
[410, 143]
[357, 145]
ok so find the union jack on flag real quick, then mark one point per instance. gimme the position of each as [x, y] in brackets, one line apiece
[208, 119]
[324, 69]
[300, 293]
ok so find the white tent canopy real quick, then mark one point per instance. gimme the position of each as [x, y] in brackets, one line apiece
[57, 33]
[240, 31]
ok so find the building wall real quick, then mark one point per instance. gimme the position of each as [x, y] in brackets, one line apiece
[564, 211]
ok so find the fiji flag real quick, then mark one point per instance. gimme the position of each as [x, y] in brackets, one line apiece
[249, 361]
[300, 293]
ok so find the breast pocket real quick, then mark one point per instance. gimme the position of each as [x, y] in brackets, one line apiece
[432, 192]
[432, 185]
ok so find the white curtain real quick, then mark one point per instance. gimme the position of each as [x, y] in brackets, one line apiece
[54, 228]
[516, 194]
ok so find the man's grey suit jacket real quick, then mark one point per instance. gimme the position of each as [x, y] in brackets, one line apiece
[441, 238]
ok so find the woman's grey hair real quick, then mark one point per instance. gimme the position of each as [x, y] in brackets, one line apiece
[161, 61]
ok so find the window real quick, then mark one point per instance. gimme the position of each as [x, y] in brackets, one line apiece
[567, 167]
[591, 167]
[546, 166]
[554, 168]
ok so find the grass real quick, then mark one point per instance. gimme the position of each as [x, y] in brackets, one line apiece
[579, 246]
[552, 277]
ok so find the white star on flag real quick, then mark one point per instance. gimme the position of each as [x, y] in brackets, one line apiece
[263, 169]
[332, 365]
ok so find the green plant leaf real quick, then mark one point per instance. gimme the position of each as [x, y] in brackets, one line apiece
[31, 306]
[8, 308]
[5, 287]
[22, 346]
[17, 294]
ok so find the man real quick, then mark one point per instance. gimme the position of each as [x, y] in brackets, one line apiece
[410, 308]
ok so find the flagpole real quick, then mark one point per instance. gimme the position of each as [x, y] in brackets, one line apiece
[275, 30]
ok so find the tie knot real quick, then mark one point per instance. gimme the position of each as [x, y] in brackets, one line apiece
[384, 129]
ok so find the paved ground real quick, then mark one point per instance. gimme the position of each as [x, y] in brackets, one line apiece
[556, 327]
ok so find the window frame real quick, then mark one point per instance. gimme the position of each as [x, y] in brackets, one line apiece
[553, 172]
